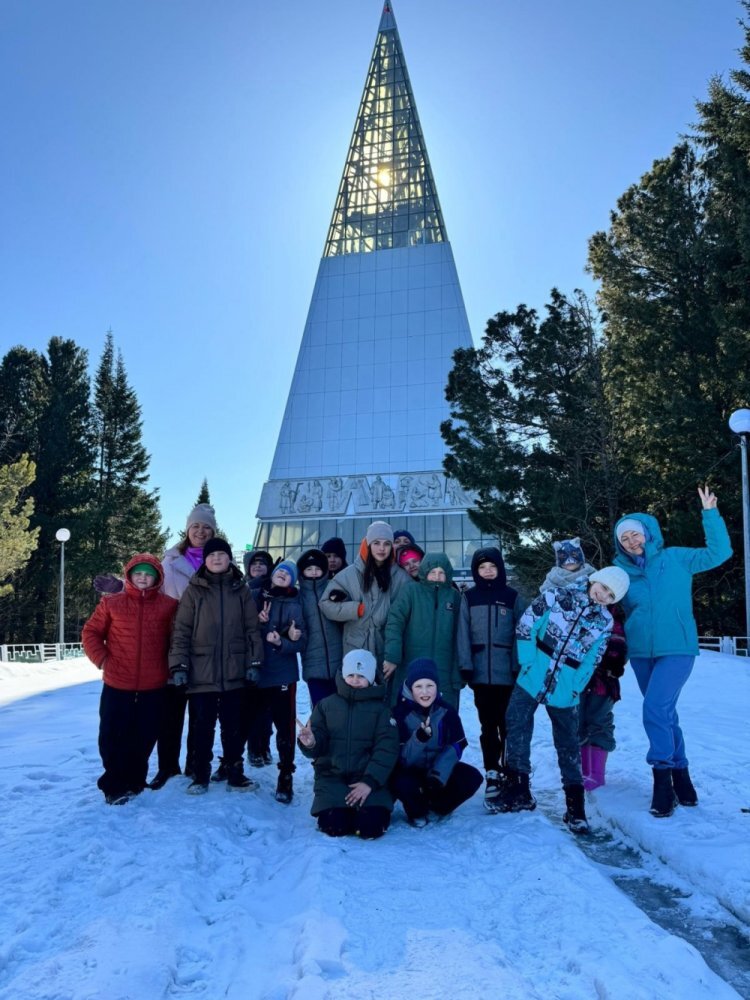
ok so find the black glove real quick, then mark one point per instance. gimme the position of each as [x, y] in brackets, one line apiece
[422, 735]
[434, 783]
[179, 676]
[252, 676]
[337, 596]
[467, 676]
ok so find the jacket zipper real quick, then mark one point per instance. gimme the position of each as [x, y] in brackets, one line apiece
[140, 643]
[489, 643]
[562, 650]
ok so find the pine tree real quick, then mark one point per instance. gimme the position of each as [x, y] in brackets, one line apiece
[531, 432]
[23, 396]
[17, 539]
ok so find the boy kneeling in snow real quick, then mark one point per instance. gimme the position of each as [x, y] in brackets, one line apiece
[561, 638]
[353, 743]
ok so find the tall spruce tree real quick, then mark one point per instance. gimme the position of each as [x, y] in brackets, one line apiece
[124, 517]
[531, 432]
[17, 539]
[23, 397]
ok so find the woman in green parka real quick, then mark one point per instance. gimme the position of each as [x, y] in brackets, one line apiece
[423, 622]
[353, 743]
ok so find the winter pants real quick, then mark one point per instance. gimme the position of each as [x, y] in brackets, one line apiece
[411, 786]
[169, 740]
[596, 721]
[320, 689]
[661, 680]
[128, 725]
[259, 726]
[491, 701]
[370, 822]
[520, 722]
[280, 703]
[205, 709]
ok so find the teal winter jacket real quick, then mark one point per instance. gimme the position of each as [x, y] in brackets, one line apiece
[659, 604]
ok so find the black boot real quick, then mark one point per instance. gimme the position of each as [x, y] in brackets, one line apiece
[284, 787]
[683, 787]
[162, 777]
[664, 799]
[575, 813]
[236, 778]
[516, 795]
[222, 771]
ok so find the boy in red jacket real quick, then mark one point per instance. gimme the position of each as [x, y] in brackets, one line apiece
[127, 638]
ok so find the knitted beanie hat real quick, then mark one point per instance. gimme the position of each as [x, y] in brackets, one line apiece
[313, 557]
[290, 568]
[216, 545]
[203, 513]
[144, 567]
[422, 669]
[616, 579]
[631, 524]
[403, 533]
[379, 530]
[361, 662]
[334, 546]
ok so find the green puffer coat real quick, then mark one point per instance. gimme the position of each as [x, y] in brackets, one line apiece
[424, 622]
[355, 740]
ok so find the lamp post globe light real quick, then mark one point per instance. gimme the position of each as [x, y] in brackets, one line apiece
[62, 535]
[739, 422]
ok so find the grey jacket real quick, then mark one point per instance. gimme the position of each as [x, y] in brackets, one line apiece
[367, 631]
[324, 652]
[486, 641]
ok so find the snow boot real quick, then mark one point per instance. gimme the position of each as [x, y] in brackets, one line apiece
[284, 787]
[683, 787]
[586, 762]
[236, 778]
[197, 787]
[267, 758]
[595, 776]
[222, 771]
[575, 813]
[664, 798]
[255, 760]
[492, 792]
[516, 795]
[162, 777]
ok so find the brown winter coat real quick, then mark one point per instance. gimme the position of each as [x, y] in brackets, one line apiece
[216, 633]
[127, 636]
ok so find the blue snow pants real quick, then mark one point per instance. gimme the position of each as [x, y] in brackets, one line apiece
[661, 680]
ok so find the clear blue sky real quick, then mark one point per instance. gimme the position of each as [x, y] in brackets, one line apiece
[169, 169]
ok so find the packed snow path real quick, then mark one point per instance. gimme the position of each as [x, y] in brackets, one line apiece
[233, 895]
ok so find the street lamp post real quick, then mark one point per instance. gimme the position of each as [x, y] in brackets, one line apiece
[62, 535]
[739, 422]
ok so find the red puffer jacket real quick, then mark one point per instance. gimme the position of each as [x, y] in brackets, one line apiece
[128, 635]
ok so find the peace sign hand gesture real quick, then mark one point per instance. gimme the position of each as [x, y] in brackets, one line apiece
[265, 614]
[708, 499]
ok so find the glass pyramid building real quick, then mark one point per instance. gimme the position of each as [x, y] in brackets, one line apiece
[360, 438]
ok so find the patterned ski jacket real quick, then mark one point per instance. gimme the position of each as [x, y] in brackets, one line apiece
[128, 635]
[561, 637]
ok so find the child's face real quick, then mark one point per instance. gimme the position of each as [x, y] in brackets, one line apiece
[217, 562]
[334, 562]
[424, 692]
[601, 594]
[258, 568]
[412, 567]
[356, 681]
[281, 578]
[199, 534]
[487, 570]
[571, 566]
[142, 580]
[312, 572]
[437, 575]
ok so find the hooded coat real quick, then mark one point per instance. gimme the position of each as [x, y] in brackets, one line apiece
[216, 632]
[561, 638]
[487, 623]
[659, 603]
[423, 622]
[366, 630]
[355, 740]
[128, 635]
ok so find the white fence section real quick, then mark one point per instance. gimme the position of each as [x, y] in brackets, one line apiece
[737, 645]
[39, 652]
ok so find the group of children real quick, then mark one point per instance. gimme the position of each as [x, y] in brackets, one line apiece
[384, 654]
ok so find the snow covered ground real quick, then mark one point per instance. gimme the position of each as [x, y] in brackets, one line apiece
[234, 896]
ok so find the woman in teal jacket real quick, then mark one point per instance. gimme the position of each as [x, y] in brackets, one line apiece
[662, 636]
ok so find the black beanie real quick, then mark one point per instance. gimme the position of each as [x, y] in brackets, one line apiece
[336, 547]
[216, 545]
[422, 669]
[313, 557]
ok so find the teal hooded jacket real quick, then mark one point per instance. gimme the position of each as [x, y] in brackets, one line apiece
[659, 604]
